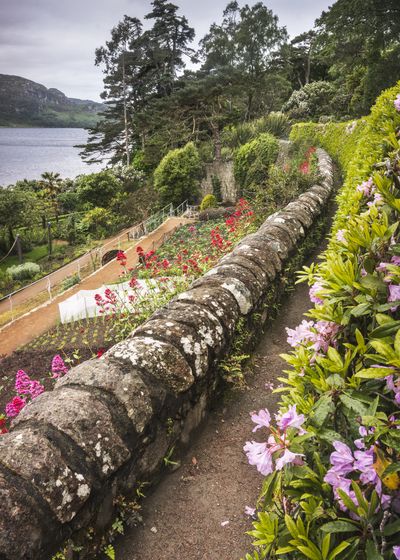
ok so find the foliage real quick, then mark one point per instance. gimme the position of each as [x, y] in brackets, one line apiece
[97, 189]
[252, 161]
[23, 271]
[209, 201]
[97, 221]
[332, 456]
[312, 101]
[177, 176]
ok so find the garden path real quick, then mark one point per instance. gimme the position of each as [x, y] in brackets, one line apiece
[39, 320]
[184, 517]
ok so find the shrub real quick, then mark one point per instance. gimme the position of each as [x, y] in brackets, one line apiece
[71, 281]
[23, 271]
[97, 221]
[275, 123]
[311, 101]
[177, 176]
[332, 455]
[252, 161]
[98, 189]
[209, 201]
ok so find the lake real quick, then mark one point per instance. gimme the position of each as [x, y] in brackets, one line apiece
[25, 153]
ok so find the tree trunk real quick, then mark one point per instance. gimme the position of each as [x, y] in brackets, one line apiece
[125, 112]
[217, 142]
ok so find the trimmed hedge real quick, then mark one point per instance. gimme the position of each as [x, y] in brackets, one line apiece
[252, 161]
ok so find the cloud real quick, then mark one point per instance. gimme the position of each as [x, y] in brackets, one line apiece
[53, 42]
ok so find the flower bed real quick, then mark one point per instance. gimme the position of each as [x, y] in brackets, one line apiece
[331, 456]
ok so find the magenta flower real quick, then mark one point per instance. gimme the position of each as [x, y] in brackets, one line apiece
[14, 407]
[394, 295]
[259, 455]
[58, 367]
[22, 382]
[290, 419]
[314, 291]
[262, 419]
[396, 103]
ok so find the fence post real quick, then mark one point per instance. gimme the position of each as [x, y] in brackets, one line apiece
[11, 308]
[78, 270]
[49, 289]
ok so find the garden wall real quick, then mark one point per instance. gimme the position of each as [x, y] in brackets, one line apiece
[223, 170]
[109, 423]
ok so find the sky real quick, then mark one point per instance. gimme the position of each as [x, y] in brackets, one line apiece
[53, 41]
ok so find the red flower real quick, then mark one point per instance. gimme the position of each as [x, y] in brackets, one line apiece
[139, 250]
[100, 352]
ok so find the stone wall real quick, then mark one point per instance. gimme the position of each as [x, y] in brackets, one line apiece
[110, 422]
[224, 171]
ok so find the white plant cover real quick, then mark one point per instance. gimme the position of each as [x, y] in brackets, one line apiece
[82, 305]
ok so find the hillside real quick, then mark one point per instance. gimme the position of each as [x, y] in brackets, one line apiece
[27, 103]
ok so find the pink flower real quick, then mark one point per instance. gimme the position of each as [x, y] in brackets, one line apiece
[301, 333]
[58, 367]
[340, 236]
[290, 419]
[394, 295]
[259, 455]
[249, 511]
[365, 187]
[396, 549]
[262, 419]
[314, 290]
[14, 407]
[288, 457]
[22, 382]
[396, 104]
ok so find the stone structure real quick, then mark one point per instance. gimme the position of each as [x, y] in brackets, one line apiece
[224, 171]
[110, 422]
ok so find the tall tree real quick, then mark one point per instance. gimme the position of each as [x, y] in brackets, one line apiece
[51, 185]
[361, 40]
[245, 41]
[118, 57]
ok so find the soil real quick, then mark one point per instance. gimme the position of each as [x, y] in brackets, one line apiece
[185, 517]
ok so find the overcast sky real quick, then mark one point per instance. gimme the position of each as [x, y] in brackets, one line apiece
[53, 41]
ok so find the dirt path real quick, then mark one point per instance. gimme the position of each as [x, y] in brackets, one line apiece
[39, 320]
[182, 518]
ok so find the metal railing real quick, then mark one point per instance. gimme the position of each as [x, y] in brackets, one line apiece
[92, 259]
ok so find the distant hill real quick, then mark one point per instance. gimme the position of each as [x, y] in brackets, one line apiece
[26, 103]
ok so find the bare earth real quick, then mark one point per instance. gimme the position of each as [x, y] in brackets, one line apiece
[182, 518]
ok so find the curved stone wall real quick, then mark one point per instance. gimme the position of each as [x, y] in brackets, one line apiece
[107, 425]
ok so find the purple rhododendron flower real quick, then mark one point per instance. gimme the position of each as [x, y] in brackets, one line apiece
[259, 455]
[301, 333]
[290, 419]
[396, 549]
[396, 103]
[394, 295]
[395, 260]
[287, 458]
[366, 187]
[326, 332]
[342, 459]
[340, 236]
[249, 511]
[262, 419]
[314, 290]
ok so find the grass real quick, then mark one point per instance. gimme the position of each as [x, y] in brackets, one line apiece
[35, 255]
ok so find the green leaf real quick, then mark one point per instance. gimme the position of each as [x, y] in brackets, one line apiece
[353, 404]
[336, 551]
[291, 525]
[329, 435]
[309, 552]
[392, 529]
[339, 527]
[386, 329]
[372, 553]
[373, 373]
[321, 410]
[361, 309]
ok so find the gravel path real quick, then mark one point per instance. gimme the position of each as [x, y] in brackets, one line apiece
[182, 518]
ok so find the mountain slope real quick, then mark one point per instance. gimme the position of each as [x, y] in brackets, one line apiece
[27, 103]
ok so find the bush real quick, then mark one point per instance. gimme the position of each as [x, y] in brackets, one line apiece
[311, 101]
[209, 201]
[98, 189]
[275, 123]
[177, 177]
[23, 271]
[340, 404]
[252, 162]
[71, 281]
[98, 221]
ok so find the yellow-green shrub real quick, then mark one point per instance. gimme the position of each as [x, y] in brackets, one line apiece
[209, 201]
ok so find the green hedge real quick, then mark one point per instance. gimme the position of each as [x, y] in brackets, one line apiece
[356, 145]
